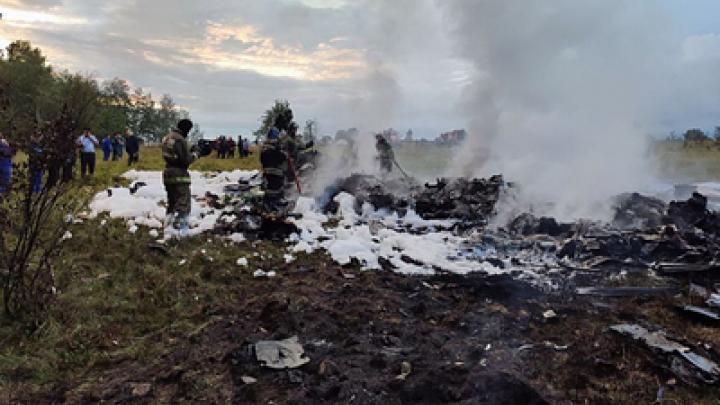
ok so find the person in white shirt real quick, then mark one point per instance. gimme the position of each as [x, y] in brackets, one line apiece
[87, 144]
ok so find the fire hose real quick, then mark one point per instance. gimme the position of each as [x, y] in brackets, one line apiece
[400, 168]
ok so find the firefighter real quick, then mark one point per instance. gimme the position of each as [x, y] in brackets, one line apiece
[385, 155]
[274, 167]
[176, 177]
[291, 145]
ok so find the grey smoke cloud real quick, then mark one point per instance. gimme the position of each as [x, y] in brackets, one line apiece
[564, 94]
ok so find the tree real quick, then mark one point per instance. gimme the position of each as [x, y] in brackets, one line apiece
[279, 115]
[166, 117]
[32, 221]
[115, 107]
[716, 134]
[310, 131]
[196, 134]
[141, 116]
[25, 78]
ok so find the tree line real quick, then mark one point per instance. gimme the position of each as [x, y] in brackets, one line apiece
[32, 94]
[42, 112]
[696, 135]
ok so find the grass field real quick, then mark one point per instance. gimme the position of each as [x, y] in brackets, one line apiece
[119, 300]
[696, 163]
[115, 297]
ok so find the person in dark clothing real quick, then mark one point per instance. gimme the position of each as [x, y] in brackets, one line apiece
[230, 148]
[222, 147]
[178, 156]
[6, 153]
[385, 155]
[35, 157]
[69, 166]
[240, 147]
[53, 175]
[274, 165]
[114, 142]
[118, 146]
[246, 147]
[87, 144]
[132, 147]
[107, 148]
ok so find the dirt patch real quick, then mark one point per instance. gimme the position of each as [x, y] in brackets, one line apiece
[379, 337]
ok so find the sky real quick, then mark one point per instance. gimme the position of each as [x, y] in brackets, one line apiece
[369, 64]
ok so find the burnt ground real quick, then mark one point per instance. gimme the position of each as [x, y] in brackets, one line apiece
[465, 338]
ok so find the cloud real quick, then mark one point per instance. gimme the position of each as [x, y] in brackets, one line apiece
[365, 62]
[243, 48]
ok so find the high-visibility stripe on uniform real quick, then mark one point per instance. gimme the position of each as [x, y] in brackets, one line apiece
[177, 180]
[273, 171]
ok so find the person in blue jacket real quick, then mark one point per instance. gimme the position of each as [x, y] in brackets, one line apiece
[107, 148]
[35, 154]
[5, 165]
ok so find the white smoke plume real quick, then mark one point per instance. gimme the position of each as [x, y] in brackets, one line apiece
[563, 96]
[393, 38]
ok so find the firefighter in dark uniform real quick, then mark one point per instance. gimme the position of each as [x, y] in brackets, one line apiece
[274, 168]
[385, 155]
[291, 146]
[176, 177]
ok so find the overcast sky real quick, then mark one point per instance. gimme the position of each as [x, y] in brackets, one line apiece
[365, 63]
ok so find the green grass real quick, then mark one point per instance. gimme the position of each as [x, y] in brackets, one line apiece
[151, 159]
[686, 164]
[117, 299]
[108, 173]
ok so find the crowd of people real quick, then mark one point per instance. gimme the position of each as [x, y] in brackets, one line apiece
[226, 146]
[57, 165]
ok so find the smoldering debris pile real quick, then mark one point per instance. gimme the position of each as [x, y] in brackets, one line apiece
[648, 232]
[242, 213]
[470, 201]
[393, 195]
[645, 232]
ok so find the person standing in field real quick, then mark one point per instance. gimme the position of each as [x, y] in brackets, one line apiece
[6, 153]
[107, 148]
[274, 166]
[118, 146]
[385, 155]
[178, 156]
[246, 147]
[87, 144]
[132, 147]
[231, 148]
[35, 164]
[240, 147]
[69, 165]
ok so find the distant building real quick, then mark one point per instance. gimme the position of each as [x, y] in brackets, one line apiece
[452, 137]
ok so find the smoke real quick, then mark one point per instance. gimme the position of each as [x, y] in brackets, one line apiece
[562, 97]
[395, 37]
